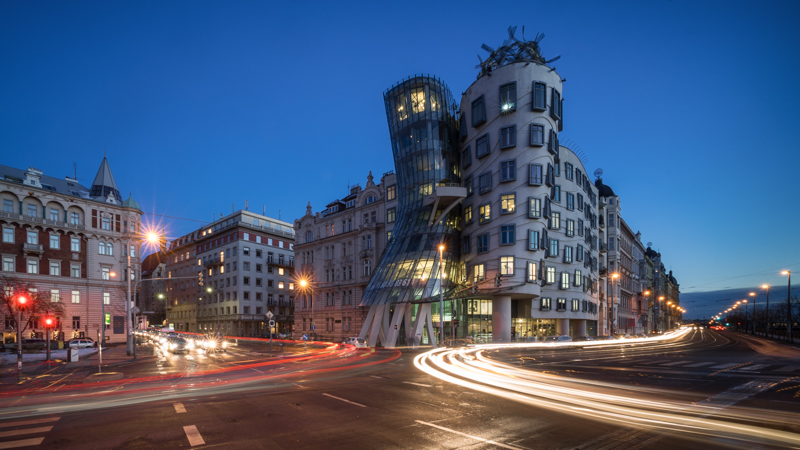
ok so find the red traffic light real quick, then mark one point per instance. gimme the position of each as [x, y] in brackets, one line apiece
[48, 322]
[22, 300]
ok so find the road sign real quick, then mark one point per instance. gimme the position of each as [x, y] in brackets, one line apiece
[271, 323]
[270, 315]
[305, 337]
[313, 327]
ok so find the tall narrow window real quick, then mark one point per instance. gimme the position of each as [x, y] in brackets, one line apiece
[508, 170]
[537, 134]
[479, 273]
[508, 203]
[485, 213]
[534, 207]
[468, 185]
[539, 96]
[555, 220]
[485, 182]
[532, 272]
[508, 97]
[535, 174]
[507, 265]
[482, 146]
[508, 136]
[533, 240]
[507, 234]
[466, 157]
[555, 105]
[478, 112]
[483, 243]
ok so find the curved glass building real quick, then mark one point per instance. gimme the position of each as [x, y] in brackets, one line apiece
[422, 123]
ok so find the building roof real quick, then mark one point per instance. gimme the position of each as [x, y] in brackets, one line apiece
[104, 183]
[66, 186]
[152, 261]
[131, 203]
[604, 190]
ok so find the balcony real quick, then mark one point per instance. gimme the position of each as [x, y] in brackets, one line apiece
[444, 194]
[288, 265]
[601, 221]
[33, 248]
[603, 247]
[212, 262]
[39, 220]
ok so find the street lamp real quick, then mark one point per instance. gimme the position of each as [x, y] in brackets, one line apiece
[441, 297]
[766, 286]
[649, 309]
[752, 294]
[661, 299]
[789, 305]
[614, 276]
[305, 286]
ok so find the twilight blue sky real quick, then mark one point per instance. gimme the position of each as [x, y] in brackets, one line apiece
[689, 107]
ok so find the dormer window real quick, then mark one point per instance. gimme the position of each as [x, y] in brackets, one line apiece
[370, 199]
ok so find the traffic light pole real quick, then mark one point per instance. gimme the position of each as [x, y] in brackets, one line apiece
[19, 342]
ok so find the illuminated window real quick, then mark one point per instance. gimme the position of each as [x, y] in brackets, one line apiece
[55, 295]
[418, 100]
[485, 213]
[507, 203]
[532, 275]
[55, 269]
[280, 285]
[534, 207]
[106, 298]
[391, 193]
[401, 104]
[479, 273]
[76, 298]
[391, 215]
[551, 275]
[468, 214]
[555, 220]
[506, 265]
[508, 97]
[33, 266]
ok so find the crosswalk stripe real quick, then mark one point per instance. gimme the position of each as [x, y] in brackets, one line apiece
[20, 423]
[788, 369]
[700, 364]
[755, 367]
[675, 363]
[179, 408]
[725, 366]
[21, 443]
[193, 435]
[25, 431]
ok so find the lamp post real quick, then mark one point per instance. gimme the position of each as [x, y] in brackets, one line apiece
[646, 296]
[22, 301]
[658, 305]
[747, 322]
[441, 298]
[614, 276]
[766, 286]
[789, 305]
[304, 288]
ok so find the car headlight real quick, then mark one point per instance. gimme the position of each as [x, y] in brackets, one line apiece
[225, 344]
[190, 345]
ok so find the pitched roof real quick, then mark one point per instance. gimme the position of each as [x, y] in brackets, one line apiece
[104, 183]
[61, 185]
[131, 203]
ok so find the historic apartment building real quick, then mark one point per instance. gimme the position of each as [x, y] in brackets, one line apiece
[67, 240]
[337, 251]
[246, 263]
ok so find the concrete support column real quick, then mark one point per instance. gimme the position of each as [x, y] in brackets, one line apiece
[579, 327]
[501, 319]
[562, 327]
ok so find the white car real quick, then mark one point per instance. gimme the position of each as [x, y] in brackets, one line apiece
[357, 342]
[81, 343]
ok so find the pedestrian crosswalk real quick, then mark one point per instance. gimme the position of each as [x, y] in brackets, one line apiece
[25, 433]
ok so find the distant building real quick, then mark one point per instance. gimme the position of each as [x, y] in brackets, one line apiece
[227, 275]
[338, 250]
[150, 298]
[67, 239]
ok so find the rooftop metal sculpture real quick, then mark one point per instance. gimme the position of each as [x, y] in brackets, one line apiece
[513, 50]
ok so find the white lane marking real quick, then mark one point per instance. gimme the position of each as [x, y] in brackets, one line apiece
[417, 384]
[21, 443]
[725, 366]
[488, 441]
[20, 423]
[700, 364]
[162, 372]
[755, 367]
[189, 357]
[193, 435]
[675, 363]
[25, 431]
[375, 376]
[344, 400]
[179, 408]
[788, 369]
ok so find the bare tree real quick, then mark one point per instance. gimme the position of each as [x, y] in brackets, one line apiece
[39, 303]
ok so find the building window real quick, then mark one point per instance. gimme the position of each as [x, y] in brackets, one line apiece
[466, 157]
[508, 97]
[468, 214]
[555, 105]
[8, 235]
[106, 298]
[553, 247]
[75, 244]
[551, 275]
[508, 170]
[32, 210]
[568, 170]
[557, 193]
[580, 228]
[478, 273]
[106, 223]
[367, 268]
[55, 296]
[483, 243]
[105, 273]
[537, 134]
[55, 242]
[539, 96]
[478, 112]
[247, 281]
[532, 275]
[280, 284]
[570, 201]
[576, 304]
[465, 244]
[246, 236]
[508, 203]
[485, 182]
[533, 240]
[245, 265]
[570, 227]
[76, 298]
[507, 265]
[562, 304]
[8, 264]
[535, 174]
[391, 215]
[567, 254]
[507, 234]
[468, 185]
[580, 202]
[75, 270]
[8, 206]
[534, 207]
[482, 146]
[75, 218]
[33, 266]
[391, 193]
[55, 269]
[508, 136]
[246, 251]
[555, 220]
[545, 304]
[485, 213]
[579, 253]
[610, 219]
[33, 237]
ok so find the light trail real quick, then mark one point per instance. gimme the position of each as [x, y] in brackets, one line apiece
[471, 368]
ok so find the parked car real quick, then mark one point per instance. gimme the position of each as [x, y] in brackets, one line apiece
[357, 342]
[80, 343]
[557, 339]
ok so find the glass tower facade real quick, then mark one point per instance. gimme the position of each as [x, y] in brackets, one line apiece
[422, 123]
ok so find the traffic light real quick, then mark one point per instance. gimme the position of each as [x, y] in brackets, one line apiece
[200, 278]
[474, 288]
[22, 301]
[48, 322]
[498, 280]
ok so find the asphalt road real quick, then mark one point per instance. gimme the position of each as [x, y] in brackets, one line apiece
[361, 399]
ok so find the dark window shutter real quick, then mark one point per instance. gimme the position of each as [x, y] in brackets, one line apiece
[117, 220]
[94, 218]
